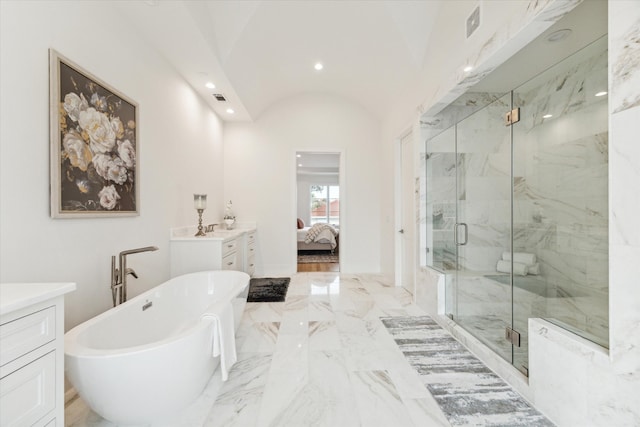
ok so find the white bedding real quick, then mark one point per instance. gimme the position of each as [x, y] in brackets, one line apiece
[320, 233]
[302, 233]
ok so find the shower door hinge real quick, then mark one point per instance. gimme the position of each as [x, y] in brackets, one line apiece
[512, 336]
[512, 117]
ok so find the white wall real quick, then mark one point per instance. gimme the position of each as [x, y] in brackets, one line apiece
[180, 152]
[260, 177]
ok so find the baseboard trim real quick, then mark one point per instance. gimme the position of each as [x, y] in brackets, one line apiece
[70, 395]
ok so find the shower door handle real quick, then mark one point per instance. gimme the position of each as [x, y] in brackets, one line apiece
[466, 234]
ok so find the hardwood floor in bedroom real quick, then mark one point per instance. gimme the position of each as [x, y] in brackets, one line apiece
[318, 266]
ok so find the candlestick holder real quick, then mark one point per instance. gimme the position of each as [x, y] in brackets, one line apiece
[200, 203]
[200, 232]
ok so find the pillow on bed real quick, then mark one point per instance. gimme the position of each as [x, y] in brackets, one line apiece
[300, 224]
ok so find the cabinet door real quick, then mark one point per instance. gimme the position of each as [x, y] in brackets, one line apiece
[28, 394]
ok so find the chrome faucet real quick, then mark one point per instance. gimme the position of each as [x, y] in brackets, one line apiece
[119, 275]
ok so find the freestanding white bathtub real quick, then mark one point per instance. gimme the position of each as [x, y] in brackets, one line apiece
[136, 366]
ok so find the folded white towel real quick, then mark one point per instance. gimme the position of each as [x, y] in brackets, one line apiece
[521, 257]
[518, 268]
[224, 338]
[534, 269]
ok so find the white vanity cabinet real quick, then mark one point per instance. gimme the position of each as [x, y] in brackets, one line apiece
[249, 266]
[230, 254]
[32, 353]
[222, 250]
[191, 255]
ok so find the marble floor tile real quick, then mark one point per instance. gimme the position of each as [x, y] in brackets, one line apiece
[340, 351]
[324, 335]
[378, 400]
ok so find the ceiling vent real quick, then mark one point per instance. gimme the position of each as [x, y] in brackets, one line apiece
[473, 21]
[220, 97]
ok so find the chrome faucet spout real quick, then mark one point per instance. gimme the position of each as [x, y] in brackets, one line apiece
[138, 250]
[119, 274]
[132, 272]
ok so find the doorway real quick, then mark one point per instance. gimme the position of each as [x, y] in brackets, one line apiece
[406, 228]
[318, 211]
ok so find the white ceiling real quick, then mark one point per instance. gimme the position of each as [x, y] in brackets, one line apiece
[260, 52]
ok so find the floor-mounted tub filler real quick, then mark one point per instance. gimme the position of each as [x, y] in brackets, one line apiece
[150, 357]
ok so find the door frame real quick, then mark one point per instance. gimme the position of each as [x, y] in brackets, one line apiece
[398, 211]
[342, 181]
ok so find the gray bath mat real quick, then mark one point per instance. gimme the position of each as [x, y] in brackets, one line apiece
[466, 390]
[268, 289]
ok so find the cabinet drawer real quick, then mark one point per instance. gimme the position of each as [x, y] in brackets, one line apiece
[230, 262]
[251, 250]
[28, 394]
[251, 237]
[229, 246]
[27, 333]
[251, 266]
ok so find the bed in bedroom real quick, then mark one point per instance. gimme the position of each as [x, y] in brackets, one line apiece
[318, 237]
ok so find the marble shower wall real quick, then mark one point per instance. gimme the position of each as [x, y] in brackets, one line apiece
[561, 187]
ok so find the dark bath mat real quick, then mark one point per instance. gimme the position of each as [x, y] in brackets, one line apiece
[268, 289]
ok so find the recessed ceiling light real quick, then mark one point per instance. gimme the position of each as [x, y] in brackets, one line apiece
[547, 116]
[298, 155]
[210, 85]
[467, 68]
[230, 110]
[556, 36]
[299, 165]
[318, 66]
[603, 93]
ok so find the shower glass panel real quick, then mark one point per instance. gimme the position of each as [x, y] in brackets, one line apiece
[560, 199]
[441, 200]
[482, 232]
[517, 216]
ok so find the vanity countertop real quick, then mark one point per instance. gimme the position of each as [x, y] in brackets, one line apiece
[14, 296]
[188, 233]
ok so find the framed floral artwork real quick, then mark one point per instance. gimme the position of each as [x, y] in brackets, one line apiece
[94, 145]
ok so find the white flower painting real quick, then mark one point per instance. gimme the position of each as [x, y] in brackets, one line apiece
[94, 145]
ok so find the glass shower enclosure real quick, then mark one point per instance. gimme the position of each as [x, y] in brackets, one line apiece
[517, 207]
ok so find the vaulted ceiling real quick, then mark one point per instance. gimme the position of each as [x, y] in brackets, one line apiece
[260, 52]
